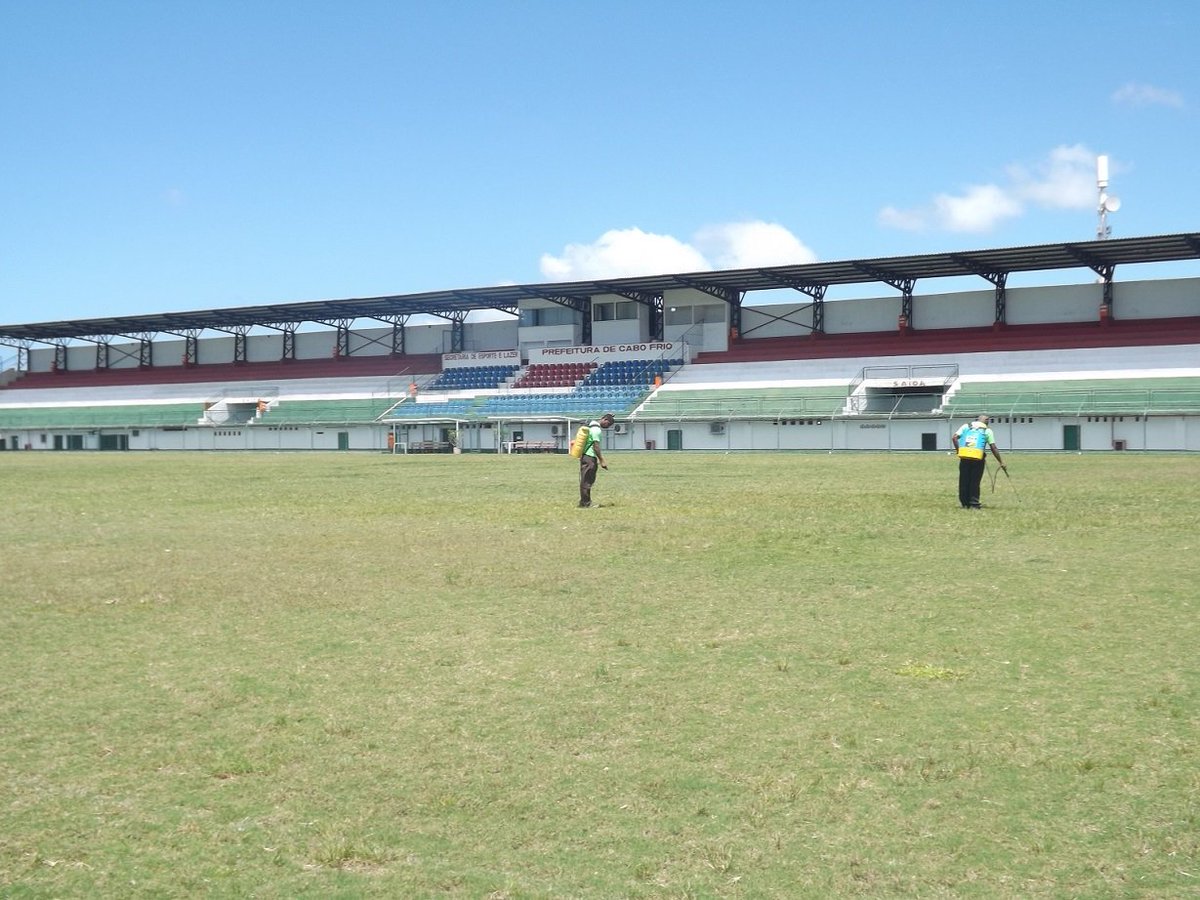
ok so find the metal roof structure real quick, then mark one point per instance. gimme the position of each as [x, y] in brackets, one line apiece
[1102, 256]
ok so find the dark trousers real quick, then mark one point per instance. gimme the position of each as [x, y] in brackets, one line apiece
[970, 478]
[588, 467]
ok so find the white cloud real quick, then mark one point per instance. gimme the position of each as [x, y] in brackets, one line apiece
[746, 245]
[1065, 179]
[912, 219]
[631, 252]
[1135, 94]
[619, 254]
[904, 219]
[978, 209]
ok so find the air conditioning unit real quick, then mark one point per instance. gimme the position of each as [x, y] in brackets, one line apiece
[716, 428]
[557, 430]
[621, 428]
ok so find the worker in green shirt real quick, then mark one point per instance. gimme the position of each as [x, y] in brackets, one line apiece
[972, 443]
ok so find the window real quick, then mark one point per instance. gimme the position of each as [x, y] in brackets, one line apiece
[709, 313]
[611, 312]
[678, 315]
[550, 315]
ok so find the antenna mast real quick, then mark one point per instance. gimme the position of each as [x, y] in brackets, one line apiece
[1106, 203]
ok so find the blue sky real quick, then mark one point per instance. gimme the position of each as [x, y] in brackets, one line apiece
[170, 155]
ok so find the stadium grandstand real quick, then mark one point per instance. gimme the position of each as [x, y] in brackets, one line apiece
[685, 362]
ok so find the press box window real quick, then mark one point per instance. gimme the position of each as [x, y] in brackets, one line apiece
[551, 315]
[706, 314]
[611, 312]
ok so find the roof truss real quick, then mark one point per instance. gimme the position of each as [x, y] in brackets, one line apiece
[812, 278]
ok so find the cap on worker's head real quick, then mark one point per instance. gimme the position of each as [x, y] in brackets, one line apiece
[608, 416]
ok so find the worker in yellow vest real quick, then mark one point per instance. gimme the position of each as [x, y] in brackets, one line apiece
[592, 458]
[972, 443]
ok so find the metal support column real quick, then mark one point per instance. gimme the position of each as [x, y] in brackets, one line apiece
[21, 360]
[397, 338]
[191, 345]
[1106, 297]
[145, 350]
[817, 293]
[287, 332]
[458, 330]
[1000, 280]
[903, 284]
[818, 298]
[239, 333]
[585, 324]
[734, 299]
[1103, 269]
[341, 346]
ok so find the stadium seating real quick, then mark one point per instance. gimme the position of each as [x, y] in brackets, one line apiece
[450, 409]
[550, 375]
[745, 402]
[584, 402]
[631, 371]
[107, 416]
[325, 412]
[1076, 397]
[467, 378]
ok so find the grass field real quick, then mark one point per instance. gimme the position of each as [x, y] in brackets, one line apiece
[745, 675]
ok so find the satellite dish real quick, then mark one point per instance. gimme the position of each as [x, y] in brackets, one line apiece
[1111, 204]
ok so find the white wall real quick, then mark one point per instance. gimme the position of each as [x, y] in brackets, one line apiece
[1156, 299]
[851, 316]
[621, 331]
[1061, 303]
[776, 320]
[856, 434]
[962, 310]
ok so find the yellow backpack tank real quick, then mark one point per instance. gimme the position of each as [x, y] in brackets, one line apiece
[579, 444]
